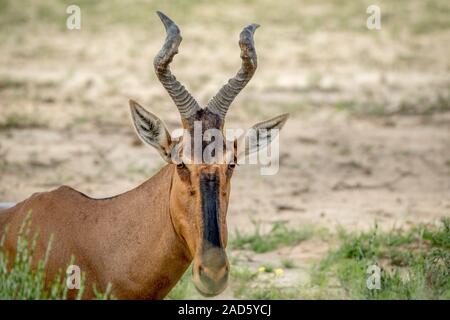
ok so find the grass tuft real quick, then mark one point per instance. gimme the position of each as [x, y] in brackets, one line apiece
[16, 121]
[280, 235]
[21, 279]
[184, 289]
[414, 264]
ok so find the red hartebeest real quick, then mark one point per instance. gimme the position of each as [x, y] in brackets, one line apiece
[142, 241]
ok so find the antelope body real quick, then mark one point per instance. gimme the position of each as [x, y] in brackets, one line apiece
[141, 242]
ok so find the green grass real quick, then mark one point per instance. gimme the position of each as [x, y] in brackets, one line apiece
[447, 163]
[280, 235]
[358, 108]
[7, 82]
[247, 284]
[421, 106]
[424, 107]
[268, 267]
[271, 293]
[184, 289]
[440, 238]
[414, 264]
[16, 121]
[20, 279]
[288, 263]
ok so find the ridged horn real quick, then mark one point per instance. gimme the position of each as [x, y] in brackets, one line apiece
[186, 104]
[220, 103]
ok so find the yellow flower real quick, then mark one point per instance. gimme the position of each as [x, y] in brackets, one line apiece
[262, 269]
[279, 272]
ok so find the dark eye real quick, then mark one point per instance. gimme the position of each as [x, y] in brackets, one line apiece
[180, 165]
[232, 165]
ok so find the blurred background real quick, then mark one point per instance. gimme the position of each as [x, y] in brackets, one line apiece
[368, 141]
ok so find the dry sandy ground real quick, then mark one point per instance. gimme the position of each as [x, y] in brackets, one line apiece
[368, 139]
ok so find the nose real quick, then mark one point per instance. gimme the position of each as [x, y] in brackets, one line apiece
[210, 274]
[213, 281]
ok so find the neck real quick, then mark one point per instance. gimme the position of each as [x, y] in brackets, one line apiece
[155, 256]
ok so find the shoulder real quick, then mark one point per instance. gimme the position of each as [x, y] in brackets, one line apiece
[60, 193]
[64, 189]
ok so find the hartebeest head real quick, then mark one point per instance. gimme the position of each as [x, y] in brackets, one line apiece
[201, 187]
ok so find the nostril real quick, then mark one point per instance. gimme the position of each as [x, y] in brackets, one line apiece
[201, 271]
[223, 279]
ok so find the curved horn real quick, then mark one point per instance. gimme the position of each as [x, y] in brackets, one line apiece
[220, 103]
[186, 104]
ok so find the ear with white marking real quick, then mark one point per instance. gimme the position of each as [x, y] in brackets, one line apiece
[151, 130]
[260, 135]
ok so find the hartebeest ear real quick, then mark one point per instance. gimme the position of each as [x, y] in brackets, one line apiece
[151, 130]
[260, 135]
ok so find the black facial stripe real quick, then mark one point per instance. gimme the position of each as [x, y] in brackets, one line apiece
[209, 187]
